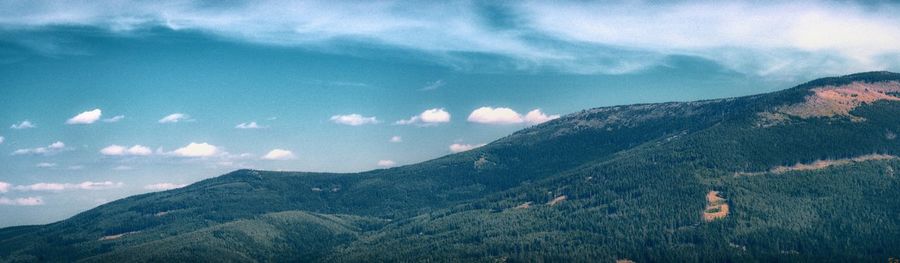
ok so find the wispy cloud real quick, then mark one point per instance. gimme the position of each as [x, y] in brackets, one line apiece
[764, 38]
[22, 201]
[175, 118]
[51, 149]
[396, 139]
[87, 185]
[26, 124]
[116, 118]
[249, 125]
[163, 186]
[433, 85]
[353, 119]
[2, 139]
[86, 117]
[45, 165]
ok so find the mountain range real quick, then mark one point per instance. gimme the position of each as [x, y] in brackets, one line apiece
[802, 174]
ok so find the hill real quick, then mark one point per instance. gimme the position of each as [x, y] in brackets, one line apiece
[803, 174]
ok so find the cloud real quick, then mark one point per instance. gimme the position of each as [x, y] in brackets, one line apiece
[386, 163]
[353, 119]
[23, 201]
[116, 118]
[427, 118]
[249, 125]
[433, 85]
[87, 185]
[197, 150]
[458, 147]
[51, 149]
[163, 186]
[76, 167]
[535, 116]
[2, 139]
[765, 38]
[175, 118]
[116, 150]
[26, 124]
[45, 165]
[279, 154]
[396, 139]
[4, 187]
[86, 117]
[500, 115]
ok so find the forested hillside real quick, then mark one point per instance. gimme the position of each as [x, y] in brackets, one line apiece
[803, 174]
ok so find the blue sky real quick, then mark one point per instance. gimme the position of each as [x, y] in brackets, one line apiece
[105, 99]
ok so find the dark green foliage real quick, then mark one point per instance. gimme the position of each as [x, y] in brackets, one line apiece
[634, 180]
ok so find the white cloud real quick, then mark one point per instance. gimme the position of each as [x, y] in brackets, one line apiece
[353, 119]
[584, 37]
[76, 167]
[86, 117]
[116, 118]
[45, 165]
[26, 124]
[2, 139]
[23, 201]
[458, 147]
[386, 163]
[396, 139]
[249, 125]
[87, 185]
[4, 187]
[117, 150]
[175, 118]
[279, 154]
[537, 117]
[500, 115]
[427, 118]
[197, 150]
[163, 186]
[51, 149]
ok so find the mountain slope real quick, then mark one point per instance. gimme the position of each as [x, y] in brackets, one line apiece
[607, 183]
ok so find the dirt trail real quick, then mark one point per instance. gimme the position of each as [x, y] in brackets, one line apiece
[716, 207]
[820, 164]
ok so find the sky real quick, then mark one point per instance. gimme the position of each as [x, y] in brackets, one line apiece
[100, 100]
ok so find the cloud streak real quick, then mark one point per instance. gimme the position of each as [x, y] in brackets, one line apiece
[51, 149]
[763, 38]
[353, 119]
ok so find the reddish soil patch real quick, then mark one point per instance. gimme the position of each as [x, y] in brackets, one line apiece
[716, 207]
[831, 101]
[117, 236]
[525, 205]
[557, 200]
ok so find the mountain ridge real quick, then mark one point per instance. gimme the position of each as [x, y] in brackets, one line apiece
[602, 169]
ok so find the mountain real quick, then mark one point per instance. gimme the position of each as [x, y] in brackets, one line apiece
[802, 174]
